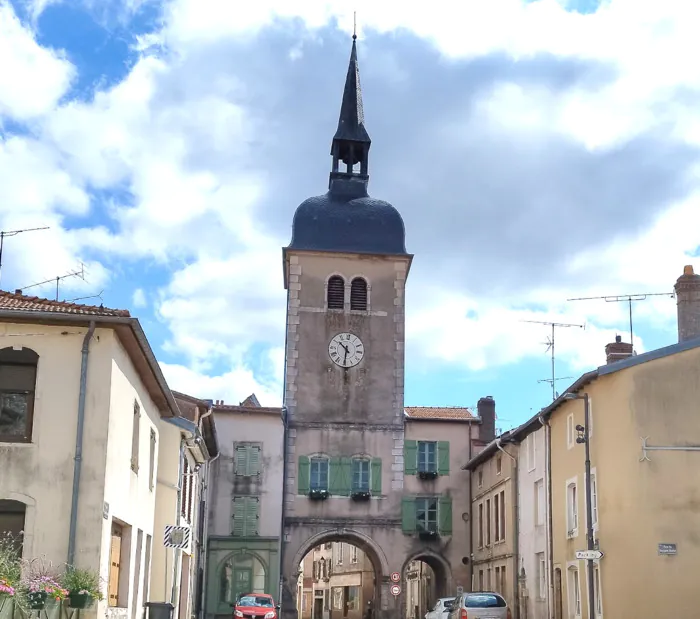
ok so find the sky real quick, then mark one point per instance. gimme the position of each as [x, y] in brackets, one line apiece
[538, 151]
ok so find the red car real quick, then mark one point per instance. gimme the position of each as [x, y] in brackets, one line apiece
[255, 606]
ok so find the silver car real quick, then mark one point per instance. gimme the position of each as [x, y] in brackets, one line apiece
[440, 610]
[480, 605]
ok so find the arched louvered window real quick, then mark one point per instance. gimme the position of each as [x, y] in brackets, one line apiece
[358, 294]
[336, 292]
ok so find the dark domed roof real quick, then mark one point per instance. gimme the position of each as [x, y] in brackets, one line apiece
[347, 219]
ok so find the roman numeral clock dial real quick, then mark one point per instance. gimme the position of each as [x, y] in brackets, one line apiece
[346, 350]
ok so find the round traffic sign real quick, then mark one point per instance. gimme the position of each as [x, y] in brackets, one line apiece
[395, 577]
[395, 590]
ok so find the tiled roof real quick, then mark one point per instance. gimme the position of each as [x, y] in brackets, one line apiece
[11, 301]
[438, 412]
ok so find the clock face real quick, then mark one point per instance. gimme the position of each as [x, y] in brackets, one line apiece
[346, 350]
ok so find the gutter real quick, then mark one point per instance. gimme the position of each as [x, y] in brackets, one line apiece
[548, 532]
[516, 536]
[133, 323]
[79, 442]
[195, 441]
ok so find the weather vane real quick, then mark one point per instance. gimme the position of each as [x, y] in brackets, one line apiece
[354, 25]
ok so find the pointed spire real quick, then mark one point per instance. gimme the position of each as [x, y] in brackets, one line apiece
[351, 141]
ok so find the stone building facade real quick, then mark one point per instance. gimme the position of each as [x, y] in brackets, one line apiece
[352, 472]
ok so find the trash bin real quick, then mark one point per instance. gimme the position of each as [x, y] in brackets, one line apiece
[160, 610]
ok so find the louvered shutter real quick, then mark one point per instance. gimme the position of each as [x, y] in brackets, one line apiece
[239, 508]
[376, 476]
[303, 477]
[241, 460]
[445, 515]
[251, 512]
[443, 457]
[335, 477]
[253, 460]
[410, 457]
[408, 515]
[345, 482]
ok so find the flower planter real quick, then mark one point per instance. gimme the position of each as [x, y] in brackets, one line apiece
[319, 495]
[360, 496]
[79, 600]
[428, 535]
[37, 600]
[427, 474]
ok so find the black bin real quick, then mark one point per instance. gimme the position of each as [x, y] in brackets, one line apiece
[160, 610]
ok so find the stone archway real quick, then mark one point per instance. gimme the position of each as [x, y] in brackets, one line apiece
[295, 555]
[439, 583]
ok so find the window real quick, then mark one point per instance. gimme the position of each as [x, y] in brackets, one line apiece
[531, 453]
[427, 514]
[12, 521]
[499, 464]
[245, 516]
[358, 294]
[497, 574]
[352, 594]
[17, 385]
[488, 522]
[185, 486]
[480, 478]
[319, 473]
[336, 292]
[539, 503]
[594, 498]
[427, 457]
[353, 554]
[481, 525]
[360, 475]
[598, 600]
[503, 582]
[574, 593]
[339, 554]
[499, 516]
[481, 580]
[541, 568]
[570, 438]
[136, 426]
[152, 461]
[571, 509]
[247, 460]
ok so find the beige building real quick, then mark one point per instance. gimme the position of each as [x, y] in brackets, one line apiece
[644, 440]
[494, 478]
[87, 428]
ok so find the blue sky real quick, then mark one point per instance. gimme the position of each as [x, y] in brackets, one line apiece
[538, 151]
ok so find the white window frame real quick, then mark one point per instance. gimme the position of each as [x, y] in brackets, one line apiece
[570, 431]
[540, 506]
[571, 527]
[594, 499]
[353, 555]
[541, 570]
[339, 555]
[572, 600]
[499, 464]
[597, 584]
[531, 452]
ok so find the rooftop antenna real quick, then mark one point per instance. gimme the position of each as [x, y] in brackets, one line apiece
[550, 347]
[92, 296]
[628, 298]
[5, 233]
[78, 273]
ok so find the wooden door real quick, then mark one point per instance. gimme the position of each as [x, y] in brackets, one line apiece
[114, 564]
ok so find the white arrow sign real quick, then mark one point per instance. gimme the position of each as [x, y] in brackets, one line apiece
[590, 555]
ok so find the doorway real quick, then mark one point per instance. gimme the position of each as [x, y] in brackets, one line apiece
[558, 609]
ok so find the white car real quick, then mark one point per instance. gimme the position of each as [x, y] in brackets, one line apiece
[480, 605]
[440, 610]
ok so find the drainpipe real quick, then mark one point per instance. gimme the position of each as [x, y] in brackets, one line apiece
[548, 529]
[204, 543]
[79, 443]
[285, 439]
[471, 527]
[516, 577]
[177, 552]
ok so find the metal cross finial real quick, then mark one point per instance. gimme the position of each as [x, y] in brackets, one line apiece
[354, 25]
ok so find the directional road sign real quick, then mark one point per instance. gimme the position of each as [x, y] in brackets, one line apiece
[395, 590]
[589, 554]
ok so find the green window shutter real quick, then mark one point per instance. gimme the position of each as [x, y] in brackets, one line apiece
[410, 457]
[251, 516]
[445, 515]
[443, 455]
[345, 479]
[304, 476]
[408, 515]
[239, 516]
[335, 477]
[375, 479]
[241, 459]
[253, 460]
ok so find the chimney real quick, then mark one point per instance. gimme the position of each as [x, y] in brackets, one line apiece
[18, 291]
[617, 350]
[486, 407]
[688, 302]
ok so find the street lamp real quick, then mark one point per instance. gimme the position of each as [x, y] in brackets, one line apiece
[584, 437]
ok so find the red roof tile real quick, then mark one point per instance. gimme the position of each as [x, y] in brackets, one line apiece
[438, 412]
[10, 301]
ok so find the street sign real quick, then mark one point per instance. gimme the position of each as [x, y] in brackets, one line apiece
[589, 555]
[395, 590]
[395, 577]
[460, 590]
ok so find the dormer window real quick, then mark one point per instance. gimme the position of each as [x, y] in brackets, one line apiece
[336, 292]
[358, 294]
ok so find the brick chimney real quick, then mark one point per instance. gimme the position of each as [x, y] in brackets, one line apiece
[486, 407]
[688, 302]
[617, 350]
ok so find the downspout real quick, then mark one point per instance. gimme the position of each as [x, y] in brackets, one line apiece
[176, 551]
[285, 439]
[548, 531]
[79, 443]
[471, 524]
[204, 543]
[516, 553]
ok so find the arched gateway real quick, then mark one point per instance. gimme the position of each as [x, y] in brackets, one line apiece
[346, 453]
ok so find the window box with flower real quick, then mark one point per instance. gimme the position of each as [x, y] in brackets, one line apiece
[83, 587]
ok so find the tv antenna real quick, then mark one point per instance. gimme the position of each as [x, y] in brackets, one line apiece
[550, 348]
[91, 296]
[627, 298]
[5, 233]
[77, 273]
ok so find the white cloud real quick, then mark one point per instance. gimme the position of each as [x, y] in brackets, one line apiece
[139, 298]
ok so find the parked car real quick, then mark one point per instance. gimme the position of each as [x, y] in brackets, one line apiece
[442, 606]
[255, 606]
[480, 605]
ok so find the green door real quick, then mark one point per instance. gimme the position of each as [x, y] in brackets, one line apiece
[242, 580]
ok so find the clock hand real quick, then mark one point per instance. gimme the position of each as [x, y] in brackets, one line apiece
[345, 359]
